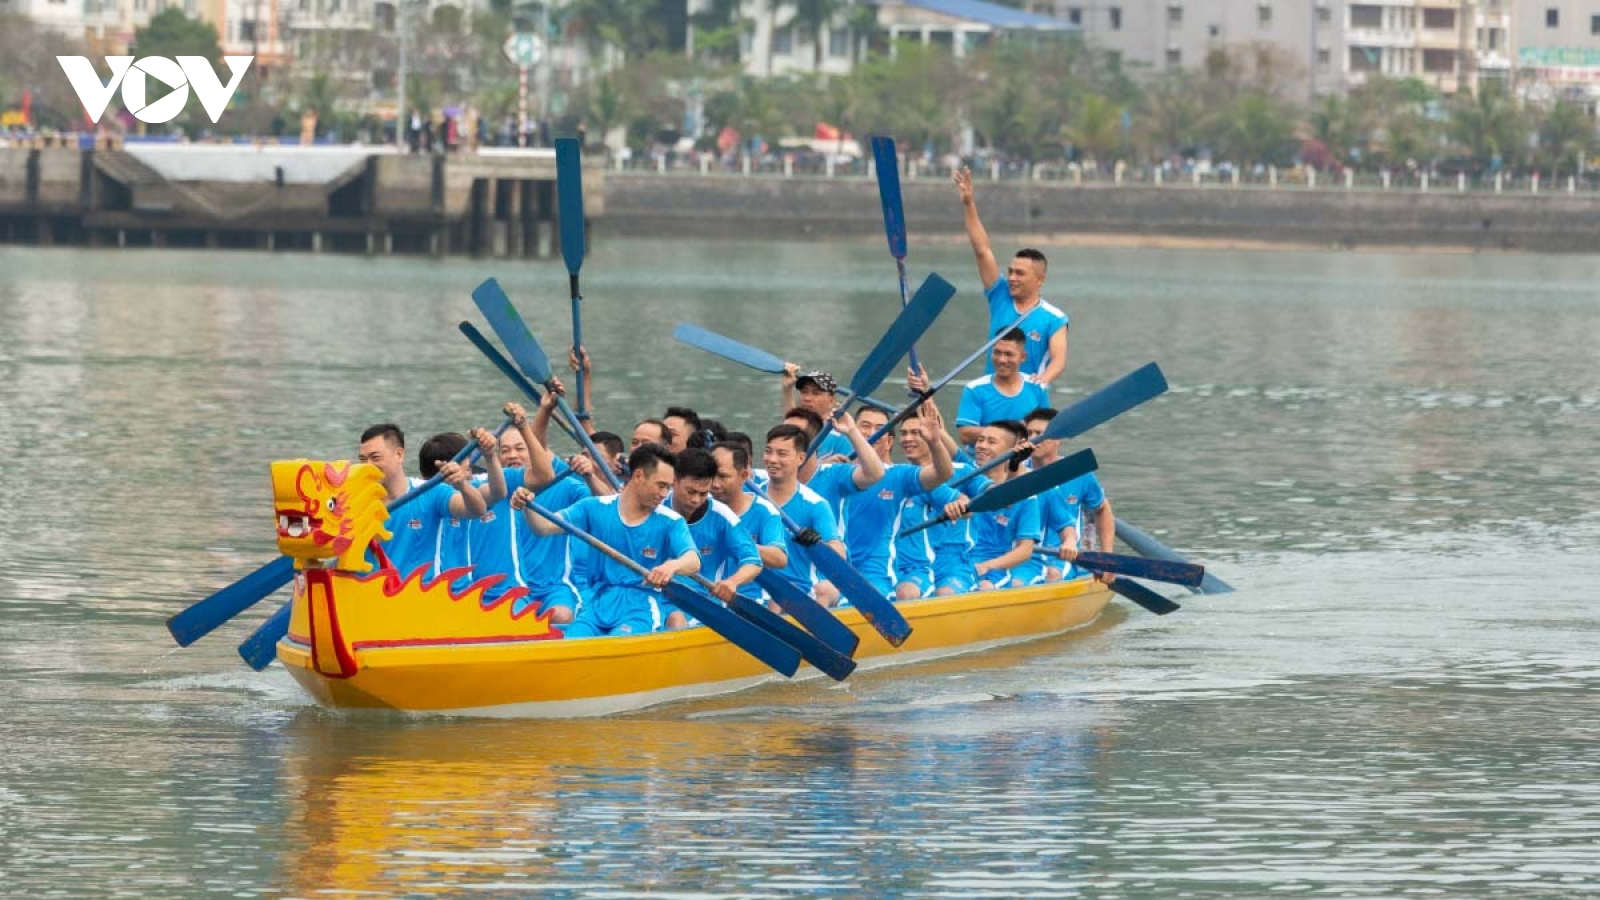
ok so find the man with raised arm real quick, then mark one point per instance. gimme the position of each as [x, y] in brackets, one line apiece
[636, 524]
[1014, 300]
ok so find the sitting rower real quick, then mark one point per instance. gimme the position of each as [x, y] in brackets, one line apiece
[786, 447]
[1003, 539]
[728, 556]
[834, 483]
[816, 390]
[757, 517]
[636, 524]
[415, 529]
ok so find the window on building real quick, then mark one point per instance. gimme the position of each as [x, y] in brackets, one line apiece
[1366, 17]
[1324, 14]
[305, 5]
[1324, 58]
[333, 6]
[747, 44]
[383, 16]
[1116, 18]
[1264, 15]
[1075, 15]
[1214, 30]
[1174, 14]
[839, 42]
[1439, 62]
[1552, 17]
[1365, 59]
[1439, 19]
[1594, 24]
[1174, 57]
[247, 30]
[783, 41]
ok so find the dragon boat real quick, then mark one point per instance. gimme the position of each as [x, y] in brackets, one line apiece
[366, 637]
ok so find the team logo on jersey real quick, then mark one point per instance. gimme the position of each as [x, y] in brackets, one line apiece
[886, 494]
[705, 551]
[1035, 336]
[414, 524]
[1002, 519]
[1072, 499]
[648, 553]
[487, 517]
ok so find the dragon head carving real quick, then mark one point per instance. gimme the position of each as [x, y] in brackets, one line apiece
[329, 510]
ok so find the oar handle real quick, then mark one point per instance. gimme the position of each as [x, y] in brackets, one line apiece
[905, 299]
[583, 438]
[577, 343]
[467, 454]
[574, 531]
[984, 469]
[924, 526]
[920, 397]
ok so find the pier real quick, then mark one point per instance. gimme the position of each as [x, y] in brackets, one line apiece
[499, 203]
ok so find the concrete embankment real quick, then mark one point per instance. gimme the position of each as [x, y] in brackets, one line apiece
[724, 206]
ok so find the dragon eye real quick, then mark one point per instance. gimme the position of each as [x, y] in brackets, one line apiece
[332, 504]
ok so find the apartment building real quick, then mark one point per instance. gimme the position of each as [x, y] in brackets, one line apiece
[1162, 35]
[1557, 47]
[65, 16]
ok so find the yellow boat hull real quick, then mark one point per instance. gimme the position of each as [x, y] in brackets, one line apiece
[386, 653]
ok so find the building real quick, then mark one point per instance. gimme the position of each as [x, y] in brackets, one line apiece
[1163, 35]
[1557, 48]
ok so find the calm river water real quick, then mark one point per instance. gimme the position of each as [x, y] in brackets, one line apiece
[1393, 457]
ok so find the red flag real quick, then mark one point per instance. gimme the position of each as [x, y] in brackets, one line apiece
[825, 132]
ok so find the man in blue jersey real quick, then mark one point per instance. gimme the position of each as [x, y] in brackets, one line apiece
[870, 514]
[757, 517]
[414, 529]
[728, 556]
[816, 391]
[840, 480]
[1002, 395]
[636, 524]
[1003, 540]
[937, 561]
[1014, 300]
[786, 447]
[1076, 515]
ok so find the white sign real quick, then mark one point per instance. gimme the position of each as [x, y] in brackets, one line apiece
[187, 72]
[524, 50]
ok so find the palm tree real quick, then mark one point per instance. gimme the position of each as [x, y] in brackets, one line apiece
[1489, 126]
[1257, 129]
[1565, 134]
[1096, 127]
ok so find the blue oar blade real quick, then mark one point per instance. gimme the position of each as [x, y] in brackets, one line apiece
[507, 325]
[887, 162]
[823, 658]
[728, 348]
[1164, 570]
[261, 648]
[1143, 596]
[1145, 545]
[811, 615]
[925, 306]
[752, 640]
[569, 203]
[507, 369]
[1116, 398]
[211, 613]
[877, 609]
[1036, 482]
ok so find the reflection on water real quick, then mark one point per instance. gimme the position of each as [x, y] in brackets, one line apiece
[1392, 456]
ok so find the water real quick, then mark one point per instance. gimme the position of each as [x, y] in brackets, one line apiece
[1391, 456]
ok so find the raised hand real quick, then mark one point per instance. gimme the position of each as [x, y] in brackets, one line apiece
[963, 180]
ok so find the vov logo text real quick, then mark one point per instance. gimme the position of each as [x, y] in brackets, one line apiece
[187, 72]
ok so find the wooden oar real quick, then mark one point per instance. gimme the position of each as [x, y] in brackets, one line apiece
[506, 368]
[748, 637]
[569, 205]
[822, 657]
[1143, 596]
[920, 397]
[1186, 574]
[1145, 545]
[211, 613]
[753, 357]
[531, 359]
[261, 647]
[1116, 398]
[812, 616]
[887, 162]
[877, 609]
[1022, 487]
[913, 320]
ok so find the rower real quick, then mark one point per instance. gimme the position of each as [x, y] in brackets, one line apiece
[1061, 509]
[816, 391]
[757, 517]
[786, 447]
[728, 555]
[636, 524]
[680, 422]
[1014, 300]
[414, 533]
[839, 481]
[1004, 394]
[1002, 539]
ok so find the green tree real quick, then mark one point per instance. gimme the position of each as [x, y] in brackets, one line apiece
[1095, 127]
[1258, 128]
[1566, 135]
[171, 34]
[636, 28]
[1488, 126]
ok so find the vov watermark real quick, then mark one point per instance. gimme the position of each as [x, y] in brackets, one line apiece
[187, 72]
